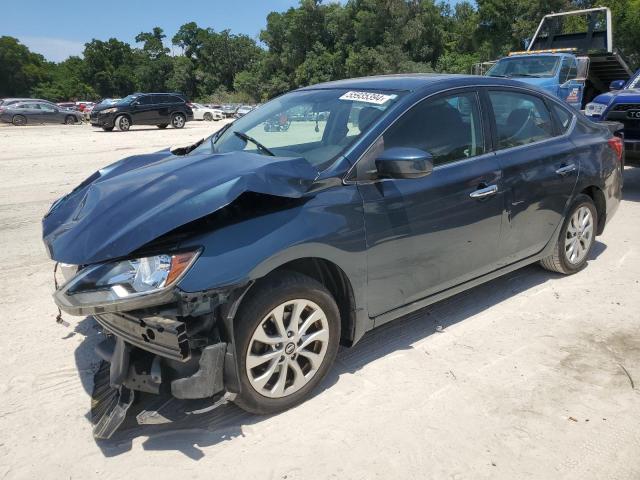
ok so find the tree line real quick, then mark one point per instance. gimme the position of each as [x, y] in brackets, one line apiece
[311, 43]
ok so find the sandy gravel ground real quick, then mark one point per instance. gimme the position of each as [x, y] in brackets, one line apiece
[526, 380]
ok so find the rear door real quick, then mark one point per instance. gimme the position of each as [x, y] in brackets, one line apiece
[164, 108]
[539, 169]
[425, 235]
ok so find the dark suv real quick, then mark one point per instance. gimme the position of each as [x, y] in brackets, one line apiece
[160, 109]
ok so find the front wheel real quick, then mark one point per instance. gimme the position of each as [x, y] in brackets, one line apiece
[576, 238]
[208, 117]
[123, 123]
[178, 120]
[287, 337]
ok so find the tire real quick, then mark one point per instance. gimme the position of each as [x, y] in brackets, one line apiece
[208, 117]
[178, 120]
[123, 123]
[286, 289]
[70, 120]
[568, 260]
[19, 120]
[163, 125]
[107, 129]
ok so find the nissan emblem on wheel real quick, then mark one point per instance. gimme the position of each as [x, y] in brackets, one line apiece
[233, 268]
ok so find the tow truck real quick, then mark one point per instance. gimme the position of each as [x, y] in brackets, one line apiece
[571, 55]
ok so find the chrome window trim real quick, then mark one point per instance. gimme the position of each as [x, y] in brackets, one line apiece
[476, 89]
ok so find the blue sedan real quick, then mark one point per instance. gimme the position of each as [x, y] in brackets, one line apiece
[234, 267]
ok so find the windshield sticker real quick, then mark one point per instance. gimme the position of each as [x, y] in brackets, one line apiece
[368, 97]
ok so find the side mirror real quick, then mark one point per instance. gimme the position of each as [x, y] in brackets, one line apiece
[403, 162]
[617, 85]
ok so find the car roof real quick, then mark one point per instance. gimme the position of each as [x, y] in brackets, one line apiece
[415, 81]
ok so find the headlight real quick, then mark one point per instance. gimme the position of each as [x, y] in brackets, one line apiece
[110, 110]
[594, 109]
[115, 281]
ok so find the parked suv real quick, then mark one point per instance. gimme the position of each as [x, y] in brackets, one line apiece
[160, 109]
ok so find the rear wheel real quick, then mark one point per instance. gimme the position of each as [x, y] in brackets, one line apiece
[576, 238]
[178, 120]
[70, 120]
[123, 123]
[163, 125]
[287, 336]
[19, 120]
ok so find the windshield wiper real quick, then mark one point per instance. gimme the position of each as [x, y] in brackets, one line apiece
[498, 75]
[526, 75]
[261, 147]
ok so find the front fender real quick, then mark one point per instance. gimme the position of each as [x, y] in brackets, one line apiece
[329, 226]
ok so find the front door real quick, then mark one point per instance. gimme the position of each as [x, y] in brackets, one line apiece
[570, 88]
[145, 111]
[427, 234]
[537, 160]
[49, 113]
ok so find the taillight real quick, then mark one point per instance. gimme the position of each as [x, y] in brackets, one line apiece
[617, 146]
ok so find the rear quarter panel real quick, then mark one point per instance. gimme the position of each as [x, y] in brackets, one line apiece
[599, 165]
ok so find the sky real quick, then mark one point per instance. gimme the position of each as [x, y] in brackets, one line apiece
[60, 28]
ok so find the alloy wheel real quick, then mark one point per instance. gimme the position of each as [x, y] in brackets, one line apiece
[178, 121]
[124, 123]
[579, 235]
[287, 348]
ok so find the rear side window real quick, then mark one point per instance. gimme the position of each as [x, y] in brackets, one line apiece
[563, 117]
[447, 127]
[520, 118]
[174, 99]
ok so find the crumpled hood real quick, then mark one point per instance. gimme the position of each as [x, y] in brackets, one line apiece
[134, 201]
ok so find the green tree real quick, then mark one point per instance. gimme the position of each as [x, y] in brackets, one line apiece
[20, 69]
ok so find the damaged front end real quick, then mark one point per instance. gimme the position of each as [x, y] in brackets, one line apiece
[167, 343]
[117, 238]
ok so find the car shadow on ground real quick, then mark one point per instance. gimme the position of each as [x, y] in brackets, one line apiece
[189, 435]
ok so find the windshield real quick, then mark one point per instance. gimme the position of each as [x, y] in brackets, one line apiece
[635, 81]
[534, 66]
[128, 99]
[317, 125]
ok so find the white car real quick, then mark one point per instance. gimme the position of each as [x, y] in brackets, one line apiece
[200, 112]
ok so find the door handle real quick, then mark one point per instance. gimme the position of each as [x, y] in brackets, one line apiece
[484, 192]
[562, 171]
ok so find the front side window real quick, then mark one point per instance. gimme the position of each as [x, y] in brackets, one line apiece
[46, 107]
[449, 128]
[317, 125]
[520, 118]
